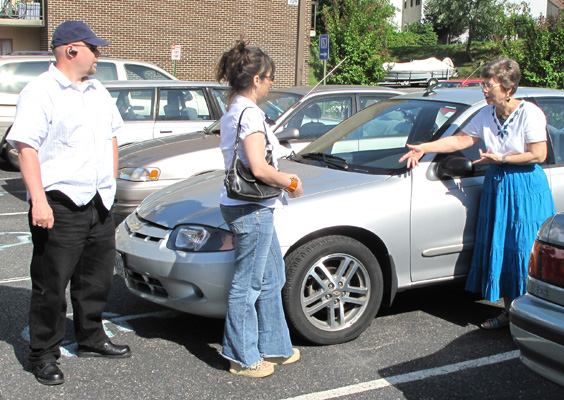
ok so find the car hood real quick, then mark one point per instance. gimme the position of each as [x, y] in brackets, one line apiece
[196, 200]
[168, 153]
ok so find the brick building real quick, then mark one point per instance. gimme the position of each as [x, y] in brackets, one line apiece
[146, 30]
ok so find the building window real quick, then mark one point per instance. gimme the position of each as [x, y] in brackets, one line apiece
[405, 4]
[417, 2]
[6, 46]
[313, 16]
[411, 3]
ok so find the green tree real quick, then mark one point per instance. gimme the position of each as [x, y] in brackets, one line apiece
[358, 30]
[540, 53]
[477, 17]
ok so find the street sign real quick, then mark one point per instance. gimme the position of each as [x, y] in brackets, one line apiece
[323, 47]
[175, 53]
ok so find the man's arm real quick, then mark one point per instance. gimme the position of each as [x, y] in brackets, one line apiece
[41, 212]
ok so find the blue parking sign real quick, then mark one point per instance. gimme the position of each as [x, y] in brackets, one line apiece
[323, 47]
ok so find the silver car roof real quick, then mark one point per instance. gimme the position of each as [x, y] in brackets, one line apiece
[144, 84]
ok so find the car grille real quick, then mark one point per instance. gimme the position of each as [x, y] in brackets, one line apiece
[145, 231]
[144, 283]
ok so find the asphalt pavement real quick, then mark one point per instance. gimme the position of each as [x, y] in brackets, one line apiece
[426, 346]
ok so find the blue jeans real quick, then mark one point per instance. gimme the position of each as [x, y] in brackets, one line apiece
[255, 326]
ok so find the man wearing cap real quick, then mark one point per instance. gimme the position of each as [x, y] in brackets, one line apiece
[65, 132]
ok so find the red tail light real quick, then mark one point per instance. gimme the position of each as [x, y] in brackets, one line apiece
[547, 264]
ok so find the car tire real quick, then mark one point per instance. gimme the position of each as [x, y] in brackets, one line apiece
[333, 289]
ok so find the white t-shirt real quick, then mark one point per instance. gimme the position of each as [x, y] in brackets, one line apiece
[527, 124]
[254, 120]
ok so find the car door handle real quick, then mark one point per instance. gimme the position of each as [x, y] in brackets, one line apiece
[166, 131]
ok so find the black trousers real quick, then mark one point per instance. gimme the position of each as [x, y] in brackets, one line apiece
[80, 249]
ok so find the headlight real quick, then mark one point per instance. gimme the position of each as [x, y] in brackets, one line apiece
[200, 238]
[139, 174]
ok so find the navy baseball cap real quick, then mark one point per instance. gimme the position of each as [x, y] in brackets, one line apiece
[75, 31]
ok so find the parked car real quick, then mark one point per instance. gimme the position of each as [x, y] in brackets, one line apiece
[365, 227]
[18, 69]
[298, 116]
[537, 318]
[453, 83]
[154, 109]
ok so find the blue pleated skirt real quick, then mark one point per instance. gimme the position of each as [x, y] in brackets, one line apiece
[516, 199]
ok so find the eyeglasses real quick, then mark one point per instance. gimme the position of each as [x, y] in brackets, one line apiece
[92, 48]
[488, 86]
[269, 77]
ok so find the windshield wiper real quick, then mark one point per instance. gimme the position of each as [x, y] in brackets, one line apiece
[328, 159]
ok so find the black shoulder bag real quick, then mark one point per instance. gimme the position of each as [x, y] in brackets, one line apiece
[240, 182]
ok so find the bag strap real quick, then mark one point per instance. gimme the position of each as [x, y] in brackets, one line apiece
[239, 131]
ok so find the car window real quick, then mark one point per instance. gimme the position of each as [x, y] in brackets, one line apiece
[134, 104]
[139, 72]
[447, 84]
[375, 138]
[221, 97]
[106, 71]
[182, 105]
[554, 110]
[472, 84]
[276, 103]
[14, 76]
[320, 115]
[369, 100]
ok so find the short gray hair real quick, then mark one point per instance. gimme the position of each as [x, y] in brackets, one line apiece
[504, 70]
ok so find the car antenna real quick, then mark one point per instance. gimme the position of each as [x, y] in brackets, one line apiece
[473, 72]
[325, 77]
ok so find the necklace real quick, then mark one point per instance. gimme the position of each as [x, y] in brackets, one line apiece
[502, 129]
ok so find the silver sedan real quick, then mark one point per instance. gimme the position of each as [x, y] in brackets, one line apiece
[365, 228]
[298, 116]
[537, 318]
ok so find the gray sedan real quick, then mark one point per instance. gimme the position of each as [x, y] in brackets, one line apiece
[298, 116]
[537, 318]
[365, 228]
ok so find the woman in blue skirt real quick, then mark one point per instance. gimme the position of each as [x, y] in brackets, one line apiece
[516, 197]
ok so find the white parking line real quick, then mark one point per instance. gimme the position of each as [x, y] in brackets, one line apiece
[405, 378]
[14, 213]
[23, 278]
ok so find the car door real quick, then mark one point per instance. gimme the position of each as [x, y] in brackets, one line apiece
[137, 109]
[443, 215]
[182, 110]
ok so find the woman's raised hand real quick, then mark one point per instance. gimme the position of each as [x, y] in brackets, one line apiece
[413, 156]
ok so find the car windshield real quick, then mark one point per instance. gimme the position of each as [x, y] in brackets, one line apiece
[373, 140]
[276, 103]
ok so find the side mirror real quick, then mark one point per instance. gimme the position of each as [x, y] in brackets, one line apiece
[288, 134]
[454, 166]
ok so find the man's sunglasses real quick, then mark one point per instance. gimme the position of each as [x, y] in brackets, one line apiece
[92, 48]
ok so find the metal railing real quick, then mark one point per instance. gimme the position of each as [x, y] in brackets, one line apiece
[21, 10]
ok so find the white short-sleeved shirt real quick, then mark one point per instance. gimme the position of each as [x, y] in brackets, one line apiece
[72, 128]
[253, 121]
[527, 124]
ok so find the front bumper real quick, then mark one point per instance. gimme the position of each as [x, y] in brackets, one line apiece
[537, 327]
[192, 282]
